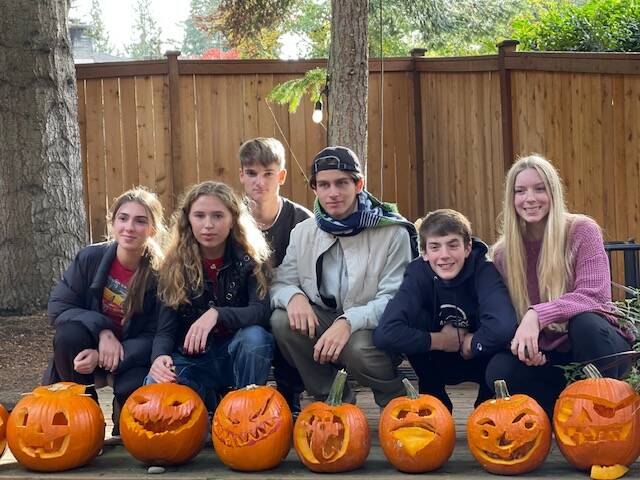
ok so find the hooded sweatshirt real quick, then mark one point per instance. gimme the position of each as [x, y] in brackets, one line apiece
[476, 299]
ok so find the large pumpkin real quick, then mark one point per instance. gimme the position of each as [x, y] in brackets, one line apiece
[56, 427]
[164, 424]
[597, 422]
[510, 435]
[252, 429]
[4, 416]
[417, 432]
[332, 436]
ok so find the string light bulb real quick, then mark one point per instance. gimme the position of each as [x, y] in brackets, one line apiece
[317, 112]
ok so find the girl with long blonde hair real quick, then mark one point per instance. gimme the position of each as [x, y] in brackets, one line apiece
[557, 273]
[104, 308]
[214, 289]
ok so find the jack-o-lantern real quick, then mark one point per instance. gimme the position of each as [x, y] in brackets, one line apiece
[510, 435]
[252, 429]
[597, 422]
[163, 424]
[417, 432]
[4, 416]
[56, 427]
[332, 436]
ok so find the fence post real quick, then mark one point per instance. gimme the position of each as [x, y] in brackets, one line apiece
[504, 47]
[417, 123]
[174, 122]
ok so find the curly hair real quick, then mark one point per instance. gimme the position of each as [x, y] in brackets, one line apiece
[152, 255]
[181, 274]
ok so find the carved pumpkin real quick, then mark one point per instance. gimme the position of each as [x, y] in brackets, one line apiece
[252, 429]
[510, 435]
[56, 427]
[417, 432]
[163, 424]
[332, 436]
[597, 422]
[4, 416]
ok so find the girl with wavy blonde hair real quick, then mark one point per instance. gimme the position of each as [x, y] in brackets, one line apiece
[214, 288]
[557, 273]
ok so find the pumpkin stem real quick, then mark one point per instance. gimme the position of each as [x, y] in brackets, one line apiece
[591, 371]
[412, 394]
[500, 387]
[337, 389]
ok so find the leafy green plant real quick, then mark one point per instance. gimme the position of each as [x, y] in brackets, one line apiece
[586, 26]
[292, 91]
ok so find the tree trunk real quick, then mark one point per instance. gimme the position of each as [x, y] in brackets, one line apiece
[42, 217]
[349, 76]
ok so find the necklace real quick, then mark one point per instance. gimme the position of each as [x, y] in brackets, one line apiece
[264, 226]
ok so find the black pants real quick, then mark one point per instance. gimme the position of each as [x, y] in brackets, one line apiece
[437, 369]
[73, 337]
[591, 337]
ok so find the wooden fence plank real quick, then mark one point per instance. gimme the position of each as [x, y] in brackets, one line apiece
[82, 124]
[162, 124]
[95, 159]
[145, 128]
[113, 139]
[187, 168]
[129, 132]
[206, 127]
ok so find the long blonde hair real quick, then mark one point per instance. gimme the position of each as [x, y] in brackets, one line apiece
[181, 275]
[152, 255]
[554, 269]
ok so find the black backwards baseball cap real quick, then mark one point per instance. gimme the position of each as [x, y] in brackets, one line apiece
[336, 158]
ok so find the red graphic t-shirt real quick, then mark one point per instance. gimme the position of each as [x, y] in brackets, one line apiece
[212, 267]
[114, 294]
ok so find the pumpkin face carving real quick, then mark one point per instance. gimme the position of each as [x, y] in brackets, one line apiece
[417, 432]
[56, 427]
[597, 422]
[331, 436]
[510, 435]
[163, 424]
[4, 416]
[252, 428]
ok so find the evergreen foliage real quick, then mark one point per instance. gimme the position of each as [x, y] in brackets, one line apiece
[196, 40]
[97, 29]
[292, 91]
[147, 43]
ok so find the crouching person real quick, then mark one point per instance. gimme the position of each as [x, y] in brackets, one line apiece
[213, 286]
[452, 312]
[340, 270]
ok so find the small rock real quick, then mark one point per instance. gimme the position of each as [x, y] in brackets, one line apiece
[155, 469]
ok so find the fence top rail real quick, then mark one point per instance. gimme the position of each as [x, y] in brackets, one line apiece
[577, 62]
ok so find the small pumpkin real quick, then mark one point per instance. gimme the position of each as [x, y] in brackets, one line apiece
[509, 435]
[417, 432]
[332, 436]
[252, 429]
[56, 427]
[4, 416]
[596, 422]
[164, 424]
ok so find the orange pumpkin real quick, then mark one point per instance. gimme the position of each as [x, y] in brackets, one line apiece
[56, 427]
[4, 416]
[332, 436]
[417, 433]
[252, 429]
[164, 424]
[597, 422]
[510, 435]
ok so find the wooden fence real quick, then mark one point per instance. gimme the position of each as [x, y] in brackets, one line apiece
[452, 126]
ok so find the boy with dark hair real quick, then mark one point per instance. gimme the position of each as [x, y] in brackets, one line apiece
[452, 312]
[340, 270]
[262, 172]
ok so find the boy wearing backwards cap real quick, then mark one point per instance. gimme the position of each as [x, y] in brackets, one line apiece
[340, 270]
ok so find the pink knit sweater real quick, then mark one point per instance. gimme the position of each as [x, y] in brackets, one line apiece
[590, 292]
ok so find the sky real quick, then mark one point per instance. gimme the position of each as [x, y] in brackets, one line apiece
[117, 16]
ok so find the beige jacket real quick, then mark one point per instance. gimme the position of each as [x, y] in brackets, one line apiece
[375, 259]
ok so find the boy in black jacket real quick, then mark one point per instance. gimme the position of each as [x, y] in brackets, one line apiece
[452, 312]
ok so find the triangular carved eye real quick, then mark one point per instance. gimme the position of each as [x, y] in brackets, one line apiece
[60, 419]
[141, 400]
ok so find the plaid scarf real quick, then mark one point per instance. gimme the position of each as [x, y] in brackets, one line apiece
[371, 213]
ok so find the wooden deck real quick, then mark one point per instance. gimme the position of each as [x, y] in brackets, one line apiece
[116, 463]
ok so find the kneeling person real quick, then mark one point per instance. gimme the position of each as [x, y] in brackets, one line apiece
[452, 311]
[340, 270]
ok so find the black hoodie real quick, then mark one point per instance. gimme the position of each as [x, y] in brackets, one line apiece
[476, 299]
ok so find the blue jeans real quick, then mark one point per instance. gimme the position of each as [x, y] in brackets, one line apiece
[237, 361]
